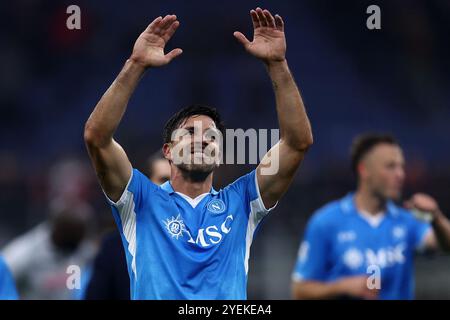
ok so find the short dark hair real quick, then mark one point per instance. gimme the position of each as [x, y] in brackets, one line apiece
[363, 143]
[193, 110]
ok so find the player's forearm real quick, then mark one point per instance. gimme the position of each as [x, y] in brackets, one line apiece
[312, 290]
[295, 128]
[441, 227]
[105, 118]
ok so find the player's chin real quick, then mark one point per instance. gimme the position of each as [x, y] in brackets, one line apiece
[393, 194]
[201, 168]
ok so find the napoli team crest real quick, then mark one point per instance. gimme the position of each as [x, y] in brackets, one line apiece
[175, 227]
[399, 232]
[216, 206]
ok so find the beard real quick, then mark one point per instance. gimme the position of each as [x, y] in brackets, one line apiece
[391, 195]
[198, 168]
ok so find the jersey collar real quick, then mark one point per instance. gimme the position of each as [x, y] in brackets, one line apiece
[348, 205]
[167, 186]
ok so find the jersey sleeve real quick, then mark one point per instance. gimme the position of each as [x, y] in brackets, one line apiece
[312, 254]
[137, 187]
[417, 232]
[126, 210]
[7, 286]
[248, 189]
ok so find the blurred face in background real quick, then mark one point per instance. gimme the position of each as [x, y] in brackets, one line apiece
[382, 171]
[69, 228]
[160, 171]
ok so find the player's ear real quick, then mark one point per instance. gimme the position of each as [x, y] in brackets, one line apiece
[166, 151]
[362, 170]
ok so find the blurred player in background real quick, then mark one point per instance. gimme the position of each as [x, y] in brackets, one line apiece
[184, 240]
[7, 286]
[40, 258]
[110, 279]
[348, 240]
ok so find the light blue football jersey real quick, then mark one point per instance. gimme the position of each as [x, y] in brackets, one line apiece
[175, 250]
[7, 286]
[339, 242]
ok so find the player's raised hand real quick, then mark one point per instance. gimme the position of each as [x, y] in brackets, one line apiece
[422, 202]
[148, 50]
[269, 41]
[423, 206]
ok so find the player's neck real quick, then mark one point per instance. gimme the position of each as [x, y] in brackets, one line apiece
[369, 202]
[190, 186]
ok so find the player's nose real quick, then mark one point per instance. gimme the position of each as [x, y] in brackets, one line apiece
[199, 145]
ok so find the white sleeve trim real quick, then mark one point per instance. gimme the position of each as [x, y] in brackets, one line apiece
[257, 212]
[297, 277]
[422, 246]
[123, 196]
[261, 205]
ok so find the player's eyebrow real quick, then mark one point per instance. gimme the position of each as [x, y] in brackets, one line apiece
[190, 128]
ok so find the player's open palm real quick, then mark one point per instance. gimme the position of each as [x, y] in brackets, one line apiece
[269, 41]
[149, 47]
